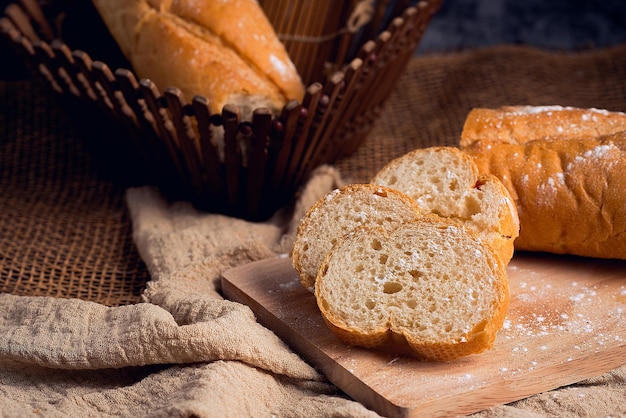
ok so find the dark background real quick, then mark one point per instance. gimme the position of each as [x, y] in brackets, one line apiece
[550, 24]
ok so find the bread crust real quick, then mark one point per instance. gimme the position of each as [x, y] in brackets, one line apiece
[226, 51]
[519, 124]
[569, 193]
[565, 170]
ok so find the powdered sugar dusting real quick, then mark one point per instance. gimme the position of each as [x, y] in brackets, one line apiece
[545, 315]
[603, 157]
[588, 114]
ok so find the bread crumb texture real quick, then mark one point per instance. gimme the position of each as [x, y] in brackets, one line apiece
[338, 214]
[446, 181]
[431, 283]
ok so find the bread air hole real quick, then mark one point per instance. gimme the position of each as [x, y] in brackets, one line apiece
[370, 304]
[387, 219]
[383, 259]
[472, 207]
[416, 274]
[376, 245]
[391, 288]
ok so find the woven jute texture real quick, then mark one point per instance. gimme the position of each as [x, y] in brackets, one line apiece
[64, 226]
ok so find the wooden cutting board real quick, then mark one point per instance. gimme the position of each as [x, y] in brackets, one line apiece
[567, 322]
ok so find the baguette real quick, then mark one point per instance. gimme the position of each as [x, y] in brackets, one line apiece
[224, 50]
[338, 214]
[429, 284]
[445, 181]
[519, 124]
[569, 193]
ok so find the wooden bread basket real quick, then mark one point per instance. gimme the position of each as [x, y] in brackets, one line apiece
[163, 139]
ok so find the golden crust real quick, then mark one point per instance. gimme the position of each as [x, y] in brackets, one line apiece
[250, 35]
[202, 49]
[569, 193]
[518, 124]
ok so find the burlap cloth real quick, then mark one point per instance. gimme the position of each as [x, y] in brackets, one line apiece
[111, 303]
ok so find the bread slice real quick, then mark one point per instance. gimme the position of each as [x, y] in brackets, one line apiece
[445, 181]
[339, 213]
[431, 284]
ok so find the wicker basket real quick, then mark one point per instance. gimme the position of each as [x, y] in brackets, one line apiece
[160, 138]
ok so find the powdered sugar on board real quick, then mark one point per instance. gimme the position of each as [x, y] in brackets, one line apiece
[565, 323]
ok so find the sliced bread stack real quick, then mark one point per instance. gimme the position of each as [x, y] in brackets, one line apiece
[424, 266]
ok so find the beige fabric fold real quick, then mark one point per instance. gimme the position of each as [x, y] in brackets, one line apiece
[74, 334]
[215, 389]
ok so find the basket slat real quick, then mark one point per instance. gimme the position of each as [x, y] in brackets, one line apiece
[232, 157]
[309, 105]
[67, 61]
[212, 173]
[48, 67]
[22, 22]
[152, 149]
[186, 138]
[285, 142]
[151, 95]
[312, 155]
[342, 104]
[66, 68]
[257, 160]
[121, 112]
[34, 10]
[103, 78]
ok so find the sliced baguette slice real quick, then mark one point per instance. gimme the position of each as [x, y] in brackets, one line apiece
[445, 181]
[430, 284]
[339, 213]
